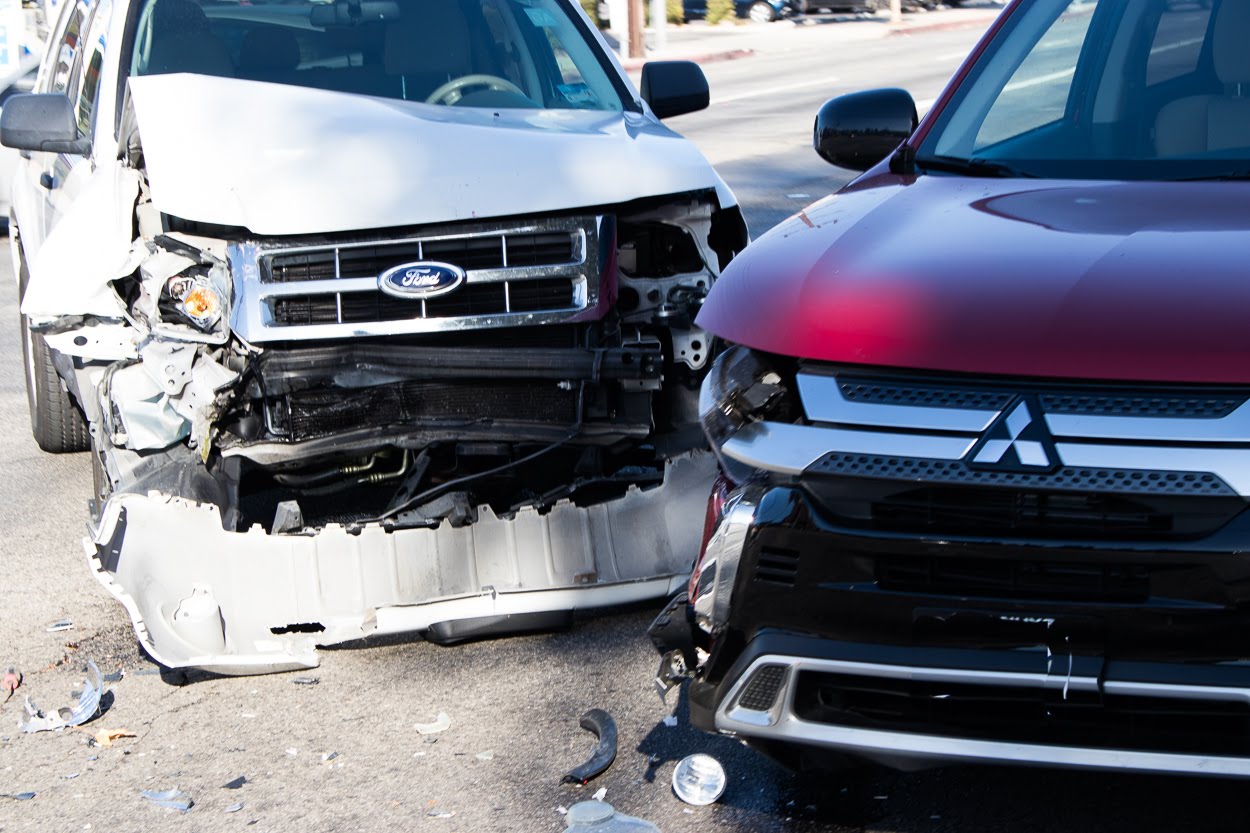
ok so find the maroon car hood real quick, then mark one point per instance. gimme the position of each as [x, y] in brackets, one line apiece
[1128, 281]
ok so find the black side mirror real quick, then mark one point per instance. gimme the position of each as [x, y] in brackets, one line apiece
[858, 130]
[674, 87]
[41, 121]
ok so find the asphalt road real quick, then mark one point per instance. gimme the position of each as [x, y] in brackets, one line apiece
[343, 754]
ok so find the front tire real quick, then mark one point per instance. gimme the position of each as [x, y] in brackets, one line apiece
[762, 12]
[55, 421]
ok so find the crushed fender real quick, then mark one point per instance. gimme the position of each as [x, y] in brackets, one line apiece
[602, 726]
[88, 706]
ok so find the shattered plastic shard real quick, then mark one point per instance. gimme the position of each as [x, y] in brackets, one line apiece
[88, 706]
[441, 724]
[174, 799]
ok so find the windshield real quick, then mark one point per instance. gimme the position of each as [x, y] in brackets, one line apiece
[468, 53]
[1105, 89]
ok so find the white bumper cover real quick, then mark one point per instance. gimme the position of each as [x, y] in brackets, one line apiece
[205, 598]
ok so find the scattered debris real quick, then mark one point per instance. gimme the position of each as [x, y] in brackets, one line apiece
[116, 676]
[486, 755]
[105, 737]
[18, 796]
[602, 726]
[235, 784]
[436, 813]
[12, 679]
[292, 751]
[670, 721]
[600, 794]
[418, 754]
[173, 799]
[699, 779]
[235, 807]
[329, 756]
[599, 815]
[70, 776]
[88, 706]
[307, 680]
[430, 739]
[93, 758]
[562, 810]
[60, 625]
[441, 724]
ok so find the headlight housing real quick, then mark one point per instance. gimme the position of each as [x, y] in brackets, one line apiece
[742, 386]
[194, 299]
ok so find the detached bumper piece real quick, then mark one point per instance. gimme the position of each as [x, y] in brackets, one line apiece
[251, 602]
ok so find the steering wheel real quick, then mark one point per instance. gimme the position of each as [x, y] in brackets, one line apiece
[451, 92]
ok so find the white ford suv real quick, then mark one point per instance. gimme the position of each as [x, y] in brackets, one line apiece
[375, 315]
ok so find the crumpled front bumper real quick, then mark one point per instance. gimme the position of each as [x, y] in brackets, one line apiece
[250, 602]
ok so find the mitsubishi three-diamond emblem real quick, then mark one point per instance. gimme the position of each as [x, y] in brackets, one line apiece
[1017, 440]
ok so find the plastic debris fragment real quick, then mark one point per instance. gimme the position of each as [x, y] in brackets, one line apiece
[87, 707]
[237, 783]
[306, 680]
[670, 721]
[441, 724]
[12, 679]
[18, 796]
[329, 756]
[436, 813]
[601, 725]
[235, 807]
[699, 779]
[486, 755]
[174, 799]
[105, 737]
[70, 776]
[60, 625]
[600, 794]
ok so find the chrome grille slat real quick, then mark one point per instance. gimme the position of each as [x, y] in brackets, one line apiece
[537, 273]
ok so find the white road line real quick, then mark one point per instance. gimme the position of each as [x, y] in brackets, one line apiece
[1041, 79]
[775, 90]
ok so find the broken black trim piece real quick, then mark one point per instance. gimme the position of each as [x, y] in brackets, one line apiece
[601, 725]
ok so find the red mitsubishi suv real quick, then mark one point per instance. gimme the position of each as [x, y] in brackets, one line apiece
[984, 426]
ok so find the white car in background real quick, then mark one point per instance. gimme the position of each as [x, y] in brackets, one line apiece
[375, 315]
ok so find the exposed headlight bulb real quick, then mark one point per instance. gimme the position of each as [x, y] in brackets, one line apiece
[197, 300]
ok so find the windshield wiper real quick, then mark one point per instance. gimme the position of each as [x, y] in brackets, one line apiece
[971, 167]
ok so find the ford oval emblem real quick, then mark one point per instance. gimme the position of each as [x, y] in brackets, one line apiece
[425, 279]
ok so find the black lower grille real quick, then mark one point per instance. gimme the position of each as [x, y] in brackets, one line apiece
[776, 566]
[469, 300]
[939, 509]
[323, 413]
[1010, 578]
[761, 692]
[1025, 714]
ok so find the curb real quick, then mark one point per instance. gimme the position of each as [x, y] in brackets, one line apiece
[944, 26]
[634, 64]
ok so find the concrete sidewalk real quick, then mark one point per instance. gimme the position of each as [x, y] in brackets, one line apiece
[701, 43]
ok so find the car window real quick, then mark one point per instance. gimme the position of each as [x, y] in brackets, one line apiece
[1037, 92]
[468, 53]
[67, 51]
[88, 83]
[1105, 89]
[1178, 40]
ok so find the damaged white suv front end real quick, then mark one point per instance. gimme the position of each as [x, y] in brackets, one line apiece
[376, 316]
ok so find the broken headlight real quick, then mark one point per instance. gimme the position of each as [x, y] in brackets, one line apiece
[194, 299]
[743, 386]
